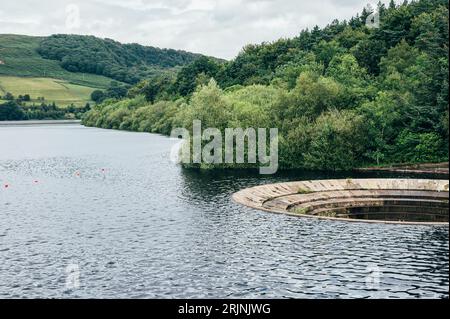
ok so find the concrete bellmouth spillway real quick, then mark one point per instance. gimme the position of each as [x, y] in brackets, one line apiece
[399, 201]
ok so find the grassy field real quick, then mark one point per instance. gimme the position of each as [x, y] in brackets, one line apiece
[61, 92]
[19, 57]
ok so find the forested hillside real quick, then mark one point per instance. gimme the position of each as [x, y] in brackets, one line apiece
[59, 73]
[342, 96]
[19, 58]
[127, 63]
[87, 60]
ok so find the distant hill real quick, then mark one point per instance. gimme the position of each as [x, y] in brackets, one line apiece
[19, 57]
[67, 57]
[127, 63]
[75, 65]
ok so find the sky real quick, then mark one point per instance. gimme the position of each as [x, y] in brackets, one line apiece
[212, 27]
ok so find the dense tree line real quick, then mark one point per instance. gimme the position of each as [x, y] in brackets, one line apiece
[16, 110]
[342, 96]
[127, 63]
[114, 91]
[51, 111]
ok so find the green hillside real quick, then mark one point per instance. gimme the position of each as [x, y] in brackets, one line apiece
[127, 63]
[66, 69]
[61, 92]
[19, 57]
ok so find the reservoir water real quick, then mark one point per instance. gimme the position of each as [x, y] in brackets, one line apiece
[109, 208]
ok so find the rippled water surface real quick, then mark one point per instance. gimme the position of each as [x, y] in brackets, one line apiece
[113, 206]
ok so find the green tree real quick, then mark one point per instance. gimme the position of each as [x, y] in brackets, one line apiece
[325, 51]
[97, 96]
[186, 80]
[8, 96]
[208, 105]
[312, 95]
[420, 148]
[338, 141]
[11, 111]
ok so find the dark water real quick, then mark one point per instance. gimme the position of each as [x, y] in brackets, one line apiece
[134, 225]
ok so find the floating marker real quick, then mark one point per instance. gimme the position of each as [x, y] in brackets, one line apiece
[6, 185]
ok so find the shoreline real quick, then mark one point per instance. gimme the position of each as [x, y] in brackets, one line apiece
[39, 122]
[438, 170]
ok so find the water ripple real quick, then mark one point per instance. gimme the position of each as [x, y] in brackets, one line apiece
[136, 226]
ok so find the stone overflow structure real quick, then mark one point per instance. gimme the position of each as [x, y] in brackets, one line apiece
[397, 201]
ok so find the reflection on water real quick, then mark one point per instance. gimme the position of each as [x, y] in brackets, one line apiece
[136, 225]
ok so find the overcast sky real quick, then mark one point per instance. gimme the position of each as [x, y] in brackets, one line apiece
[212, 27]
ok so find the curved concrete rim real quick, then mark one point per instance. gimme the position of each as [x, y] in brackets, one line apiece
[257, 197]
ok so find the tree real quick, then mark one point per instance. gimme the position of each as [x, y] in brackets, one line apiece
[338, 141]
[312, 95]
[384, 122]
[186, 80]
[289, 72]
[325, 51]
[8, 96]
[426, 34]
[350, 37]
[412, 73]
[419, 147]
[11, 111]
[392, 5]
[345, 69]
[116, 91]
[153, 89]
[208, 105]
[97, 96]
[399, 58]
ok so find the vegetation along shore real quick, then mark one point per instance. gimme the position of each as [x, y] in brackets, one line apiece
[343, 96]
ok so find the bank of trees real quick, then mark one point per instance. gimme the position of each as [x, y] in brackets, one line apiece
[16, 110]
[11, 111]
[127, 63]
[343, 96]
[115, 90]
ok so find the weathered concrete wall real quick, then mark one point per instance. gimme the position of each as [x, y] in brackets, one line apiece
[322, 198]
